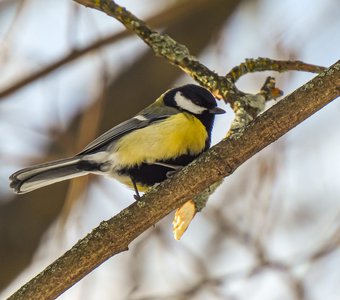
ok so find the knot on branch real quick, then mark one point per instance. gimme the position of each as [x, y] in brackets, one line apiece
[269, 90]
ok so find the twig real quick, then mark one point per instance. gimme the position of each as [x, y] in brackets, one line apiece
[266, 64]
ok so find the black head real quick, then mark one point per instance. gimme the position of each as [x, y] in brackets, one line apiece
[193, 99]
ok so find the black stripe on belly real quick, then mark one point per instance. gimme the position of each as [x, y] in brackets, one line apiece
[149, 174]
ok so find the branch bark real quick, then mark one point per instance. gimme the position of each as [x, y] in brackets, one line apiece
[115, 235]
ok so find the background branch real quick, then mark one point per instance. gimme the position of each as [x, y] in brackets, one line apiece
[165, 18]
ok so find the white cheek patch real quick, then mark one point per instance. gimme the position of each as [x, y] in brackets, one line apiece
[188, 105]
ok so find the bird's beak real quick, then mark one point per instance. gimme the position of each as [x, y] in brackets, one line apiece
[217, 111]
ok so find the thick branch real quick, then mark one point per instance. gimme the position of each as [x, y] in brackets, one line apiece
[114, 236]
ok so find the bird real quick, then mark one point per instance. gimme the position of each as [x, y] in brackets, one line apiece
[142, 151]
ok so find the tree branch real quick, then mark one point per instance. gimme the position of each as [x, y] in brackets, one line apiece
[114, 236]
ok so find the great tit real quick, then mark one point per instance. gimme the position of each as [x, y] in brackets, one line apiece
[142, 151]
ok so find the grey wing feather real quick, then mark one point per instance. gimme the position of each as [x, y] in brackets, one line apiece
[123, 128]
[114, 134]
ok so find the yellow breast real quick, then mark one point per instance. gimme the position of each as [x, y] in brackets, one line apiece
[177, 135]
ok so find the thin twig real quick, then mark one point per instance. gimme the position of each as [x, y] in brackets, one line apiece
[266, 64]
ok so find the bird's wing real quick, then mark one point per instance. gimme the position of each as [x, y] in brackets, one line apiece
[140, 121]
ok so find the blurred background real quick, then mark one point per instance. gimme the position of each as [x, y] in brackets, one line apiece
[271, 231]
